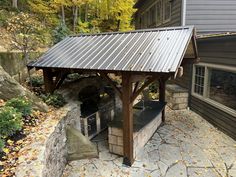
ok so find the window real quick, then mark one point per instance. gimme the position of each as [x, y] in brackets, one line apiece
[152, 16]
[199, 79]
[143, 20]
[166, 10]
[158, 13]
[223, 87]
[216, 85]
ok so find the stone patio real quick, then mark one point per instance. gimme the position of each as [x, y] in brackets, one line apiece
[186, 146]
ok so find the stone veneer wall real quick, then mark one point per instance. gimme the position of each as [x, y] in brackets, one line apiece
[115, 136]
[176, 97]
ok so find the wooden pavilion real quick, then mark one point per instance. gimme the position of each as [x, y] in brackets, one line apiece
[139, 57]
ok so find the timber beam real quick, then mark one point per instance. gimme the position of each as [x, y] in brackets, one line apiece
[127, 108]
[111, 82]
[48, 80]
[162, 94]
[50, 83]
[138, 91]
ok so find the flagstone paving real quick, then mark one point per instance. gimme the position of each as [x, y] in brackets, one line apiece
[186, 146]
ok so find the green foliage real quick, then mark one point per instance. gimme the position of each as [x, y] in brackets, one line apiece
[153, 88]
[1, 144]
[10, 121]
[60, 33]
[83, 27]
[21, 104]
[5, 4]
[37, 81]
[4, 15]
[55, 99]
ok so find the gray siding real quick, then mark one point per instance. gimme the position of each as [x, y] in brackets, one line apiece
[217, 117]
[218, 50]
[175, 14]
[176, 6]
[211, 15]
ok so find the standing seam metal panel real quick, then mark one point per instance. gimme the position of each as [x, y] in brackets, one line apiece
[153, 50]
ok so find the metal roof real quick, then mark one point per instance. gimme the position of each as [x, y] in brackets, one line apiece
[152, 50]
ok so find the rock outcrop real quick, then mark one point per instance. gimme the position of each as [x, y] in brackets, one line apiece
[10, 88]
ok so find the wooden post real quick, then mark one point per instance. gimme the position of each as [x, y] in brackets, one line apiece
[127, 108]
[98, 122]
[48, 80]
[162, 94]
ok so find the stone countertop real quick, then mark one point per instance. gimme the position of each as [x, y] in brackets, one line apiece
[176, 88]
[141, 117]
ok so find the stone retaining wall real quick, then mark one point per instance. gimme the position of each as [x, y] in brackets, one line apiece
[46, 156]
[115, 137]
[56, 146]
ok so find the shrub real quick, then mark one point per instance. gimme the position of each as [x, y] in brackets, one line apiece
[21, 104]
[37, 81]
[55, 99]
[1, 145]
[10, 121]
[153, 87]
[60, 33]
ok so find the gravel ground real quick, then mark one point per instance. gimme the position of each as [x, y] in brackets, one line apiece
[186, 146]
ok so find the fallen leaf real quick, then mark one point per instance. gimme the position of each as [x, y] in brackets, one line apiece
[6, 150]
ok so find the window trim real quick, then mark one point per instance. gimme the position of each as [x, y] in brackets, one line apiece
[163, 11]
[205, 97]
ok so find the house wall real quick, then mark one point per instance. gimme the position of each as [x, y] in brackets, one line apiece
[176, 6]
[216, 50]
[211, 15]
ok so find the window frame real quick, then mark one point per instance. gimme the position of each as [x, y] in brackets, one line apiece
[164, 2]
[145, 15]
[160, 13]
[205, 97]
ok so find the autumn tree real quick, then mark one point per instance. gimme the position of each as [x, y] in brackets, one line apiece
[122, 11]
[15, 3]
[26, 33]
[60, 6]
[44, 10]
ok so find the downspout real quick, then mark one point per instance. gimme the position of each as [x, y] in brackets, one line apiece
[183, 10]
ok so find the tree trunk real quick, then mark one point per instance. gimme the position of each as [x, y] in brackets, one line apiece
[86, 13]
[14, 3]
[75, 17]
[63, 15]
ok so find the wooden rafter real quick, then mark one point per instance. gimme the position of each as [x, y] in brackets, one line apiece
[195, 44]
[136, 86]
[149, 81]
[109, 80]
[60, 80]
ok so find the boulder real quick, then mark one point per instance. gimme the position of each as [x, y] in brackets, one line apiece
[10, 88]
